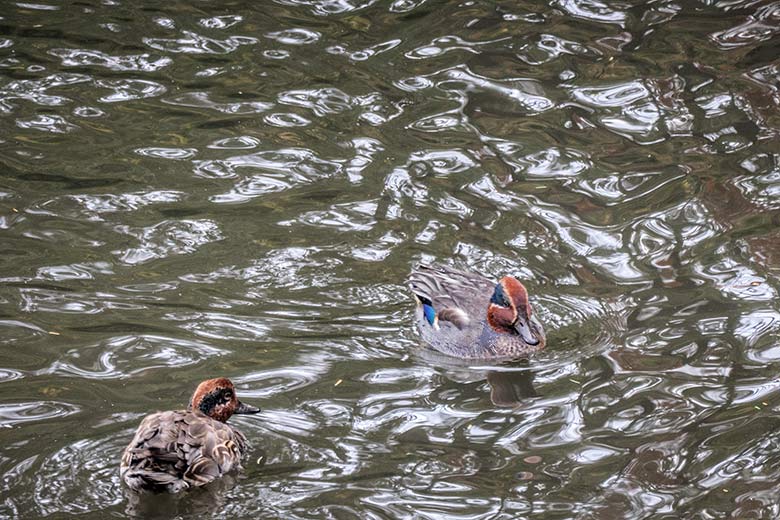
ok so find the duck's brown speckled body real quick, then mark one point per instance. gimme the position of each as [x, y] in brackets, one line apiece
[176, 450]
[467, 315]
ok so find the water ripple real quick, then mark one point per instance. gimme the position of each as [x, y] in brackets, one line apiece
[294, 36]
[67, 302]
[276, 381]
[170, 237]
[366, 52]
[593, 10]
[177, 154]
[51, 124]
[444, 44]
[549, 47]
[194, 43]
[215, 325]
[628, 187]
[322, 102]
[36, 90]
[287, 120]
[278, 170]
[523, 95]
[552, 163]
[7, 374]
[122, 357]
[283, 268]
[95, 207]
[202, 100]
[641, 110]
[330, 7]
[242, 142]
[132, 62]
[79, 271]
[12, 414]
[221, 22]
[352, 216]
[130, 89]
[85, 464]
[763, 25]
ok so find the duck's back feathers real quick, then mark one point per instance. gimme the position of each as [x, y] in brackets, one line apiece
[451, 293]
[172, 451]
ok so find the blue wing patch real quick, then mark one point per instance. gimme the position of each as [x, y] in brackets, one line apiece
[429, 313]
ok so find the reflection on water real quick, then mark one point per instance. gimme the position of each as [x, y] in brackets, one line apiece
[510, 388]
[190, 191]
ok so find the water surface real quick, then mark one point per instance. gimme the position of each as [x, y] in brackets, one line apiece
[200, 189]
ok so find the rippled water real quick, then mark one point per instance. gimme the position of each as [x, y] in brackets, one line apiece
[193, 189]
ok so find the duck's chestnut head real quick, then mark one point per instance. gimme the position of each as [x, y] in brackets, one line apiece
[509, 312]
[217, 399]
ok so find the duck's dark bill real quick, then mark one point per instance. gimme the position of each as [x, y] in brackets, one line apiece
[246, 408]
[522, 328]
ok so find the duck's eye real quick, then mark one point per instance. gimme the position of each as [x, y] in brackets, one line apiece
[228, 396]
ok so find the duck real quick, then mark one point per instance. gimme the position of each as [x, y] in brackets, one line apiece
[176, 450]
[467, 315]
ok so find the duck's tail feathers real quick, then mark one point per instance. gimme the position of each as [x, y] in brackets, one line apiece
[154, 481]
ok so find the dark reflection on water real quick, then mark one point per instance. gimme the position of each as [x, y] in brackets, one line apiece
[194, 189]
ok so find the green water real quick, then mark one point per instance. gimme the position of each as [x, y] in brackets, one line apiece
[240, 189]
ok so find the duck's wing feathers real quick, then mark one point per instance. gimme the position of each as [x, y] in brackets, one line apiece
[153, 459]
[454, 296]
[178, 449]
[214, 448]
